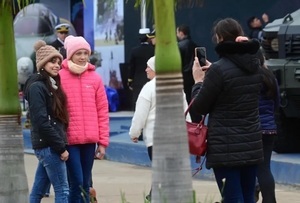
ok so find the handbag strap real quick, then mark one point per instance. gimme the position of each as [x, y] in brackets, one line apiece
[188, 108]
[197, 170]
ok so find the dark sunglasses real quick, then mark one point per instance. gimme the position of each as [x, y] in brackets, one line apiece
[63, 33]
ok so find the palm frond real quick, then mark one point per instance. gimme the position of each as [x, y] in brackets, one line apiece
[15, 6]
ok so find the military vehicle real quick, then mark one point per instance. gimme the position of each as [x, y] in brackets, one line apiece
[281, 46]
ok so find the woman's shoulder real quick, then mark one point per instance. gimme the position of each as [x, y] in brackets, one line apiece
[148, 89]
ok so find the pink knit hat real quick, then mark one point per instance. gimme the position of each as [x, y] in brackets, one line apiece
[73, 44]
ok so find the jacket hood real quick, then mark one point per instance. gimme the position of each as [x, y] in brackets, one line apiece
[64, 65]
[243, 54]
[33, 78]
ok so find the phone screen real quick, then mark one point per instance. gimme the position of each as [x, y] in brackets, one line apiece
[200, 52]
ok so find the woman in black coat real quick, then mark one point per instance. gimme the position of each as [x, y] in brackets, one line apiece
[229, 90]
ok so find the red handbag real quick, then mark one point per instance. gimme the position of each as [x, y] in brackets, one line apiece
[197, 134]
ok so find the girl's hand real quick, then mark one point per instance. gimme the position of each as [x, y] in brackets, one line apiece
[100, 152]
[64, 156]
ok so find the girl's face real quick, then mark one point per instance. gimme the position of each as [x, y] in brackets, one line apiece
[150, 73]
[80, 57]
[53, 66]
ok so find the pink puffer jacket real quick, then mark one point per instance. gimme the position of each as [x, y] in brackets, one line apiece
[87, 106]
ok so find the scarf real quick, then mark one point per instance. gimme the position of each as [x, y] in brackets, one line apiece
[53, 83]
[77, 69]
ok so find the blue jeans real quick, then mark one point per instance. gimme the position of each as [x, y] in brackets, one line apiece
[239, 183]
[50, 169]
[79, 165]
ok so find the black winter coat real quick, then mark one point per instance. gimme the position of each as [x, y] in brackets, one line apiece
[46, 131]
[230, 94]
[138, 64]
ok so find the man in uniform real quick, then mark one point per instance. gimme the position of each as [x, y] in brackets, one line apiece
[138, 63]
[62, 31]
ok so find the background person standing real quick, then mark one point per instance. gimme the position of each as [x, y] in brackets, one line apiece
[187, 51]
[268, 104]
[62, 31]
[138, 61]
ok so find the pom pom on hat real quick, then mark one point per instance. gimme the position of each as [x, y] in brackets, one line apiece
[44, 54]
[151, 63]
[73, 44]
[39, 44]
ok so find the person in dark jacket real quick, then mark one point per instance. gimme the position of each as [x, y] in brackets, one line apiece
[229, 90]
[256, 26]
[268, 103]
[187, 51]
[49, 120]
[62, 31]
[138, 61]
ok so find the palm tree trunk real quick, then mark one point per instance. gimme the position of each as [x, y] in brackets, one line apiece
[9, 102]
[171, 182]
[14, 186]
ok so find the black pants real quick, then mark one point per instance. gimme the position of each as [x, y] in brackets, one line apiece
[264, 174]
[150, 157]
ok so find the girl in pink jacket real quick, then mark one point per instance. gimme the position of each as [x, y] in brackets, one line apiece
[89, 119]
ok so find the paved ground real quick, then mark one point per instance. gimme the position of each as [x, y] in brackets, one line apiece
[113, 178]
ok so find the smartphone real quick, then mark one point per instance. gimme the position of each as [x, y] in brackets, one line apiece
[200, 52]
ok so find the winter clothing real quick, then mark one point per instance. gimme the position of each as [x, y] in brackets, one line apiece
[89, 119]
[87, 106]
[46, 131]
[230, 94]
[144, 116]
[151, 63]
[73, 44]
[266, 111]
[44, 54]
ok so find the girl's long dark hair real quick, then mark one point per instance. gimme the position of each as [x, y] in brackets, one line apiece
[59, 98]
[269, 79]
[269, 82]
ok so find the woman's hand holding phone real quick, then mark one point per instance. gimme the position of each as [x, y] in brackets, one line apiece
[198, 71]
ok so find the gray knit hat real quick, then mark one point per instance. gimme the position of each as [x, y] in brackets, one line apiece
[44, 53]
